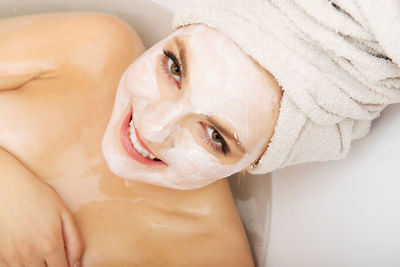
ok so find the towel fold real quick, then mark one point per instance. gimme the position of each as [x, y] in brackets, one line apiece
[337, 62]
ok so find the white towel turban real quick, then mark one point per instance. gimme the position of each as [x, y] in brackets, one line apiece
[337, 62]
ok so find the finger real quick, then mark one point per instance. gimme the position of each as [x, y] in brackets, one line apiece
[28, 255]
[12, 260]
[72, 239]
[55, 254]
[11, 263]
[3, 262]
[36, 262]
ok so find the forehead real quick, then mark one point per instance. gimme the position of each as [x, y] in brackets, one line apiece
[226, 83]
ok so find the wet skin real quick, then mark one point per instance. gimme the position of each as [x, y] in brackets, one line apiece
[58, 77]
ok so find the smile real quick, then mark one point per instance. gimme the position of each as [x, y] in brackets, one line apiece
[134, 145]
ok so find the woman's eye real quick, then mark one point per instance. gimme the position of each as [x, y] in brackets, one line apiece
[174, 69]
[172, 66]
[214, 136]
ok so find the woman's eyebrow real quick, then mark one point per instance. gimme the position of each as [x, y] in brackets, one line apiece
[223, 130]
[182, 54]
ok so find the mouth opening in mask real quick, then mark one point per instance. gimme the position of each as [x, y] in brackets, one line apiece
[134, 145]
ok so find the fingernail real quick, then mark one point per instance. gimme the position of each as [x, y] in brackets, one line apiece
[77, 264]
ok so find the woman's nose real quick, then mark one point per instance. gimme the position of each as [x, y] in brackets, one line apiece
[159, 119]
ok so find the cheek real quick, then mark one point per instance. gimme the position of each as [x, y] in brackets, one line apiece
[196, 167]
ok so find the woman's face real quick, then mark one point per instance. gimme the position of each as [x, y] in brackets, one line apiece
[192, 109]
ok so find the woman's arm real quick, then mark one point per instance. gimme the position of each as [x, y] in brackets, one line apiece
[36, 228]
[15, 74]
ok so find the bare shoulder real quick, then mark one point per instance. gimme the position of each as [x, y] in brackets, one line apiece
[222, 240]
[73, 26]
[97, 28]
[74, 43]
[228, 235]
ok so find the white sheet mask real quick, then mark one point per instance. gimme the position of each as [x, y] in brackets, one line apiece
[224, 83]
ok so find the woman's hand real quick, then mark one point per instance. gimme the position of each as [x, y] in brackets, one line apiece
[36, 228]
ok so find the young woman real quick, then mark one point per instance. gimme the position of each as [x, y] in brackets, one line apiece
[198, 106]
[182, 111]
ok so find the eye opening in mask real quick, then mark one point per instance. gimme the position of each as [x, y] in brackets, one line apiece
[179, 62]
[210, 140]
[172, 67]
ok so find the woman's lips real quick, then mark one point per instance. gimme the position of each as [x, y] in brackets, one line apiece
[128, 146]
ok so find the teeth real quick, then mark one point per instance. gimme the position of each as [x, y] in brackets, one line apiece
[136, 143]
